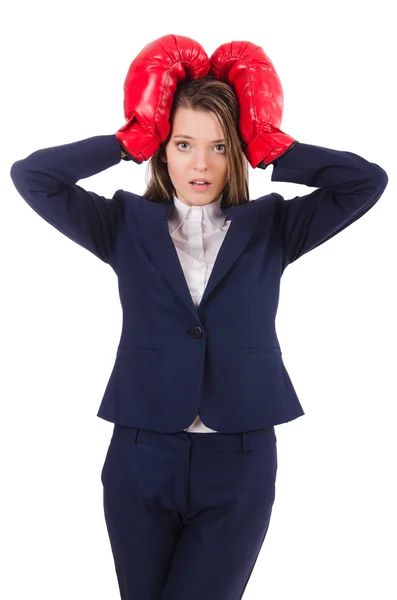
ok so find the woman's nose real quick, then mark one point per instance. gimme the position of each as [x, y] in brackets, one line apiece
[201, 160]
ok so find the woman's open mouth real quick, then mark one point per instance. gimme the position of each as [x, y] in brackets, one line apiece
[200, 185]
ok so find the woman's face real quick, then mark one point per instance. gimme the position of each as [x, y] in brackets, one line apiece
[196, 150]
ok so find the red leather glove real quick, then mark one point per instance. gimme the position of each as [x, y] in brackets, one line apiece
[259, 92]
[149, 90]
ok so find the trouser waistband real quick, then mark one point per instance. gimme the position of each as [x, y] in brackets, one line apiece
[201, 442]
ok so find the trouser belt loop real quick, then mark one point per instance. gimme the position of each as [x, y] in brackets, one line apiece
[135, 436]
[244, 442]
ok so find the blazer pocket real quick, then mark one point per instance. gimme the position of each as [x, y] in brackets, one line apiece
[139, 350]
[260, 349]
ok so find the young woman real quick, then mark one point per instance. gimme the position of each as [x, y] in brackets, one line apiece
[198, 382]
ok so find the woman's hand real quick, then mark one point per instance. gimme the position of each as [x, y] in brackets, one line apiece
[149, 90]
[259, 92]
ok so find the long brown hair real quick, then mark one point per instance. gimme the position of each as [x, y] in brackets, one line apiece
[210, 95]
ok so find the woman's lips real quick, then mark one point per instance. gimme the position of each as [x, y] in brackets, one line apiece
[200, 188]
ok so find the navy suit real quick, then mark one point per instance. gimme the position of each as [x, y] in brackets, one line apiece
[222, 360]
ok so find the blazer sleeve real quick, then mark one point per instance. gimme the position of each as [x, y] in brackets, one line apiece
[348, 187]
[47, 178]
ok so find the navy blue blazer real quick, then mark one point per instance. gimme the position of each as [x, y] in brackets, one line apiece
[222, 360]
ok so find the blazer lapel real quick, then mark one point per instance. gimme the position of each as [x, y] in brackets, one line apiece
[152, 219]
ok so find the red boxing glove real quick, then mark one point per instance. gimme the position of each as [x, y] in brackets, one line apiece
[149, 90]
[259, 92]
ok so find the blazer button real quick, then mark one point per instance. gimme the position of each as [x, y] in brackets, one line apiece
[196, 332]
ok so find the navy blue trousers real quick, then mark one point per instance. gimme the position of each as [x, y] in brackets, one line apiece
[187, 513]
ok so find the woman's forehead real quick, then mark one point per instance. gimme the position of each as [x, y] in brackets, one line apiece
[196, 124]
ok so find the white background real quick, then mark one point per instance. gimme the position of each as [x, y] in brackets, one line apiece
[333, 528]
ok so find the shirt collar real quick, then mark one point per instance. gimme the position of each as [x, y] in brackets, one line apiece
[212, 212]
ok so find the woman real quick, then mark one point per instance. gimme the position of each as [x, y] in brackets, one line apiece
[198, 382]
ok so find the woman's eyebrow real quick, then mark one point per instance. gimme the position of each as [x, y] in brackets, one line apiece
[189, 137]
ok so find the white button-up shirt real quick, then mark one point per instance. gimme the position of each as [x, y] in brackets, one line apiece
[198, 233]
